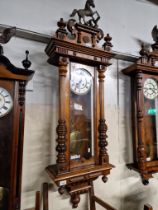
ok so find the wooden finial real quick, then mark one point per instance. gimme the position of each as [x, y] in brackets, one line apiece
[61, 32]
[143, 51]
[144, 54]
[61, 24]
[107, 45]
[26, 63]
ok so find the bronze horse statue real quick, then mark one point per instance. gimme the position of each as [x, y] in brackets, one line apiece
[87, 11]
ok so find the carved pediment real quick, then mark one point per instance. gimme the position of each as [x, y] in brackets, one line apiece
[84, 31]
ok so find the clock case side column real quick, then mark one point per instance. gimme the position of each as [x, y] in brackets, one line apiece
[17, 153]
[134, 121]
[63, 122]
[139, 149]
[103, 155]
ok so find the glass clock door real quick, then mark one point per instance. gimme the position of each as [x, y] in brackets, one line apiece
[81, 112]
[150, 91]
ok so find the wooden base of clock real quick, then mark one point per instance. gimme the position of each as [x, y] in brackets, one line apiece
[76, 183]
[93, 199]
[144, 97]
[151, 168]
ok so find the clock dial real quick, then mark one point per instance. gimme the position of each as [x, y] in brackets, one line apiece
[150, 89]
[6, 102]
[81, 81]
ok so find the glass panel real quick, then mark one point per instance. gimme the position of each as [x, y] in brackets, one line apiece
[4, 198]
[81, 114]
[150, 118]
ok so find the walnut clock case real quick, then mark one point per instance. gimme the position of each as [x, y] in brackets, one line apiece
[12, 108]
[144, 98]
[81, 131]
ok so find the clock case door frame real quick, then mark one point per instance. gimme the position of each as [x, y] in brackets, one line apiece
[14, 80]
[66, 101]
[94, 159]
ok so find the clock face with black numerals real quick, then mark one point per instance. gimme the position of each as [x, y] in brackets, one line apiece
[81, 81]
[6, 102]
[150, 88]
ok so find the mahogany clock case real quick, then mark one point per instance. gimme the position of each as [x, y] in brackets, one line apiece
[144, 98]
[12, 83]
[149, 119]
[82, 154]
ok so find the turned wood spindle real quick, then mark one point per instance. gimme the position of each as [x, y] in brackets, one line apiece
[103, 155]
[61, 128]
[141, 147]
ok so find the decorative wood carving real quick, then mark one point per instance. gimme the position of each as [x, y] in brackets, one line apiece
[141, 147]
[26, 63]
[77, 43]
[87, 11]
[61, 128]
[107, 45]
[103, 155]
[22, 85]
[75, 199]
[61, 147]
[144, 139]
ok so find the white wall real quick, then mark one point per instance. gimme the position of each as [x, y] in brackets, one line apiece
[125, 20]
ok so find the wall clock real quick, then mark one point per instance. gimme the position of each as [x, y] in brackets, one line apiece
[81, 131]
[144, 93]
[81, 81]
[150, 88]
[6, 102]
[12, 107]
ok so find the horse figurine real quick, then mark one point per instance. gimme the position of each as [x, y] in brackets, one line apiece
[87, 11]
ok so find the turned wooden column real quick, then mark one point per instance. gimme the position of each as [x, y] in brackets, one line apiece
[62, 128]
[141, 144]
[103, 155]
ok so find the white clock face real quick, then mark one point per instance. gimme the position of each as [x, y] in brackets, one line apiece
[6, 102]
[150, 89]
[81, 81]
